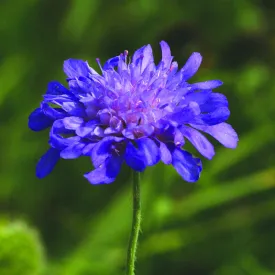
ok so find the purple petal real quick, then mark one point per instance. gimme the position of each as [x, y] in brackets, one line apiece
[178, 138]
[39, 121]
[47, 162]
[214, 101]
[53, 113]
[166, 54]
[206, 85]
[73, 108]
[74, 68]
[111, 63]
[147, 57]
[116, 123]
[222, 132]
[86, 129]
[56, 139]
[106, 172]
[165, 154]
[56, 88]
[185, 114]
[72, 122]
[199, 141]
[186, 165]
[191, 66]
[218, 116]
[73, 151]
[103, 149]
[199, 97]
[150, 151]
[87, 150]
[137, 54]
[134, 158]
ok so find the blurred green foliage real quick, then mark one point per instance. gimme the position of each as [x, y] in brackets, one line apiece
[20, 250]
[222, 225]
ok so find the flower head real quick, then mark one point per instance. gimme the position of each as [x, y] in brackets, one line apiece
[134, 112]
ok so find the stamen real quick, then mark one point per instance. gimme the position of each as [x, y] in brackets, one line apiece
[125, 56]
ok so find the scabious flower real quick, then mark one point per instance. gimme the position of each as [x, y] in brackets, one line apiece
[134, 112]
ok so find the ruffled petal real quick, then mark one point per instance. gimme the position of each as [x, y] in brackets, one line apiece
[73, 151]
[217, 116]
[186, 165]
[150, 151]
[103, 150]
[111, 63]
[143, 57]
[134, 158]
[47, 162]
[56, 88]
[86, 128]
[75, 68]
[57, 140]
[178, 138]
[206, 85]
[87, 150]
[72, 122]
[222, 132]
[191, 66]
[214, 102]
[53, 113]
[166, 54]
[39, 121]
[106, 172]
[184, 115]
[165, 154]
[199, 141]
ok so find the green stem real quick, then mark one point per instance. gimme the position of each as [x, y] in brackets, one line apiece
[132, 248]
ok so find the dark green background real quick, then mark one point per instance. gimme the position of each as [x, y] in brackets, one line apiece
[222, 225]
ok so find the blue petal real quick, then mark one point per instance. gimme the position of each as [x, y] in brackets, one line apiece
[134, 158]
[75, 68]
[206, 85]
[47, 162]
[147, 57]
[199, 141]
[72, 122]
[72, 151]
[106, 172]
[150, 151]
[186, 165]
[86, 129]
[185, 114]
[191, 66]
[166, 54]
[218, 116]
[137, 54]
[165, 154]
[53, 113]
[111, 63]
[73, 108]
[56, 140]
[103, 150]
[143, 57]
[178, 138]
[214, 101]
[56, 88]
[199, 97]
[87, 150]
[222, 132]
[39, 121]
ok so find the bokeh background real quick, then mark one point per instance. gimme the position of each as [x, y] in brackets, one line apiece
[222, 225]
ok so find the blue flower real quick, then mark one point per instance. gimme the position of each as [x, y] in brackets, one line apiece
[134, 112]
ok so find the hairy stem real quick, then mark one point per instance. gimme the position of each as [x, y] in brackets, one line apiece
[132, 248]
